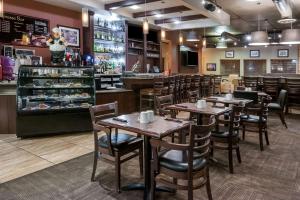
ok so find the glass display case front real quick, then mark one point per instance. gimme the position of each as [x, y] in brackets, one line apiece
[42, 88]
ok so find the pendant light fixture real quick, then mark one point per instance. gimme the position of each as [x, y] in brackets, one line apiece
[259, 38]
[192, 37]
[163, 34]
[1, 9]
[145, 22]
[204, 42]
[290, 36]
[180, 36]
[163, 31]
[85, 17]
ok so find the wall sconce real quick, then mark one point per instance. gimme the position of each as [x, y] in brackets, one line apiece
[85, 17]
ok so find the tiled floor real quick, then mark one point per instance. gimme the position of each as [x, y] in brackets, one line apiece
[20, 157]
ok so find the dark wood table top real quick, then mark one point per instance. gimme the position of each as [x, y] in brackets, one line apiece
[208, 110]
[234, 101]
[159, 128]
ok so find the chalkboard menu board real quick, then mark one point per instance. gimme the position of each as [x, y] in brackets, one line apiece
[12, 27]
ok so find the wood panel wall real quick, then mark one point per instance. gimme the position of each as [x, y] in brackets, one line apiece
[7, 114]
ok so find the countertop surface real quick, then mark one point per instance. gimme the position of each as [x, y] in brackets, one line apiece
[118, 90]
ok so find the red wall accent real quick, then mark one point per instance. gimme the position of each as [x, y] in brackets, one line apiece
[55, 15]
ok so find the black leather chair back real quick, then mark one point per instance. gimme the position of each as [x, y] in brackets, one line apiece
[282, 98]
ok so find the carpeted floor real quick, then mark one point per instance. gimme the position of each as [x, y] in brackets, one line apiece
[270, 175]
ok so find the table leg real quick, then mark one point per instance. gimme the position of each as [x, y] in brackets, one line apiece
[199, 119]
[147, 174]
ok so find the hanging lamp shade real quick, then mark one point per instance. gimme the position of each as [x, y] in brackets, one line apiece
[145, 26]
[180, 38]
[290, 36]
[221, 45]
[192, 37]
[163, 34]
[259, 38]
[85, 17]
[204, 42]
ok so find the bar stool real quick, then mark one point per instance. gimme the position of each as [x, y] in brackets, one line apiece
[188, 84]
[177, 89]
[171, 85]
[217, 84]
[206, 85]
[195, 85]
[147, 95]
[182, 88]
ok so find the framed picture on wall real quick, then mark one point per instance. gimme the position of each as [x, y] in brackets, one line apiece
[254, 53]
[211, 67]
[282, 53]
[71, 35]
[25, 52]
[229, 54]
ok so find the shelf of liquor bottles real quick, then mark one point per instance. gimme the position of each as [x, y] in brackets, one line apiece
[109, 43]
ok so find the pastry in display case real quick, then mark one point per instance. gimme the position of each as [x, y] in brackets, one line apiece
[54, 91]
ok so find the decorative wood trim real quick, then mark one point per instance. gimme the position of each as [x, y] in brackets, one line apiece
[161, 11]
[185, 18]
[127, 3]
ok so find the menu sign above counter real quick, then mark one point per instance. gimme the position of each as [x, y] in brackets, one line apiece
[13, 26]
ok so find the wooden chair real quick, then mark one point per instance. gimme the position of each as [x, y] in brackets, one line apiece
[255, 120]
[196, 81]
[271, 86]
[206, 85]
[251, 82]
[188, 85]
[113, 145]
[193, 96]
[183, 161]
[177, 89]
[228, 137]
[293, 88]
[171, 85]
[278, 107]
[182, 88]
[162, 102]
[217, 80]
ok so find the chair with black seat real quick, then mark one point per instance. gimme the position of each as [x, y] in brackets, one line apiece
[293, 88]
[182, 88]
[251, 82]
[271, 86]
[279, 106]
[117, 147]
[177, 89]
[188, 85]
[255, 120]
[227, 136]
[251, 95]
[183, 161]
[196, 81]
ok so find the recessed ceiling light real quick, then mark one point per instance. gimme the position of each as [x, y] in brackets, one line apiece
[203, 1]
[158, 15]
[245, 46]
[279, 35]
[176, 22]
[134, 7]
[235, 43]
[248, 37]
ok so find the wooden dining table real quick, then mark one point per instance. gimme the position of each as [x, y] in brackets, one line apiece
[209, 109]
[227, 102]
[159, 128]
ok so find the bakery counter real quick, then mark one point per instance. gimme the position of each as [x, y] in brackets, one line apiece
[126, 99]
